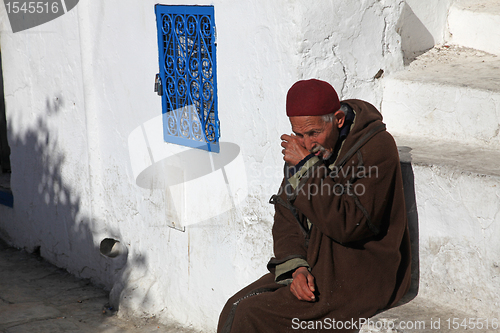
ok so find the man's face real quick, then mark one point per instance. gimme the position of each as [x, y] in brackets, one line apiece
[316, 135]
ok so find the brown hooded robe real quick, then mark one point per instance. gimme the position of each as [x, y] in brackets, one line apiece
[357, 246]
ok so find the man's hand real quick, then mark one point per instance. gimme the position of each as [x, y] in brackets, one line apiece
[293, 151]
[303, 285]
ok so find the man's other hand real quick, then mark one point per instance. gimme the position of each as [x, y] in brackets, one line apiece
[303, 285]
[293, 151]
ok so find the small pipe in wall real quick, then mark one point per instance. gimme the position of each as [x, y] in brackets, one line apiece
[111, 248]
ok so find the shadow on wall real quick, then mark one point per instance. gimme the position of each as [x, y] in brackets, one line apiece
[415, 38]
[51, 216]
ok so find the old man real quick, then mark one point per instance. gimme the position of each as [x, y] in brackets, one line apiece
[341, 242]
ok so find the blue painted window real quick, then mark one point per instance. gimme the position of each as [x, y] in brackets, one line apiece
[186, 44]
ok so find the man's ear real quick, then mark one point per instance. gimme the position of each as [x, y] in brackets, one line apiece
[340, 116]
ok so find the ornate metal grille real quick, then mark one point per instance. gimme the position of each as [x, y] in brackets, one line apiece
[186, 41]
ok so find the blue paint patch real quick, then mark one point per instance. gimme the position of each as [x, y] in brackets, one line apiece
[6, 198]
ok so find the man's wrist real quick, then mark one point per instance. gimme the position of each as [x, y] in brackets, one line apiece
[299, 270]
[299, 165]
[284, 271]
[298, 172]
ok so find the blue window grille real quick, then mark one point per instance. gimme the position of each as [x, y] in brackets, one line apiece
[188, 76]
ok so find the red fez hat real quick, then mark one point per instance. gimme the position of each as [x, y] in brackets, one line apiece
[311, 98]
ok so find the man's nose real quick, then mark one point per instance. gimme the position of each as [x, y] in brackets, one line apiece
[308, 143]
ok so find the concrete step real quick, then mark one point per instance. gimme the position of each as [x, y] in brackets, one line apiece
[456, 224]
[460, 158]
[449, 93]
[36, 296]
[444, 111]
[422, 315]
[475, 24]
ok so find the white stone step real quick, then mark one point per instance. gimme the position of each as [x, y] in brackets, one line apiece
[444, 111]
[422, 315]
[448, 93]
[475, 24]
[457, 195]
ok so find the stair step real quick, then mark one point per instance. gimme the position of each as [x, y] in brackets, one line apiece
[449, 93]
[424, 316]
[444, 112]
[456, 223]
[455, 156]
[475, 24]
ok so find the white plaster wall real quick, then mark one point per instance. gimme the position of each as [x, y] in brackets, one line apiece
[100, 60]
[48, 139]
[348, 43]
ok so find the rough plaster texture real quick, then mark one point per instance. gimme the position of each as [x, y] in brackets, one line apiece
[78, 89]
[458, 235]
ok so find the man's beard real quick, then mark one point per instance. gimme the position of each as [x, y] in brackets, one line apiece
[323, 152]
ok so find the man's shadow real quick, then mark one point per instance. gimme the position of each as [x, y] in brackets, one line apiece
[412, 214]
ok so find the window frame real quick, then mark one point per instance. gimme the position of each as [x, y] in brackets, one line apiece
[189, 97]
